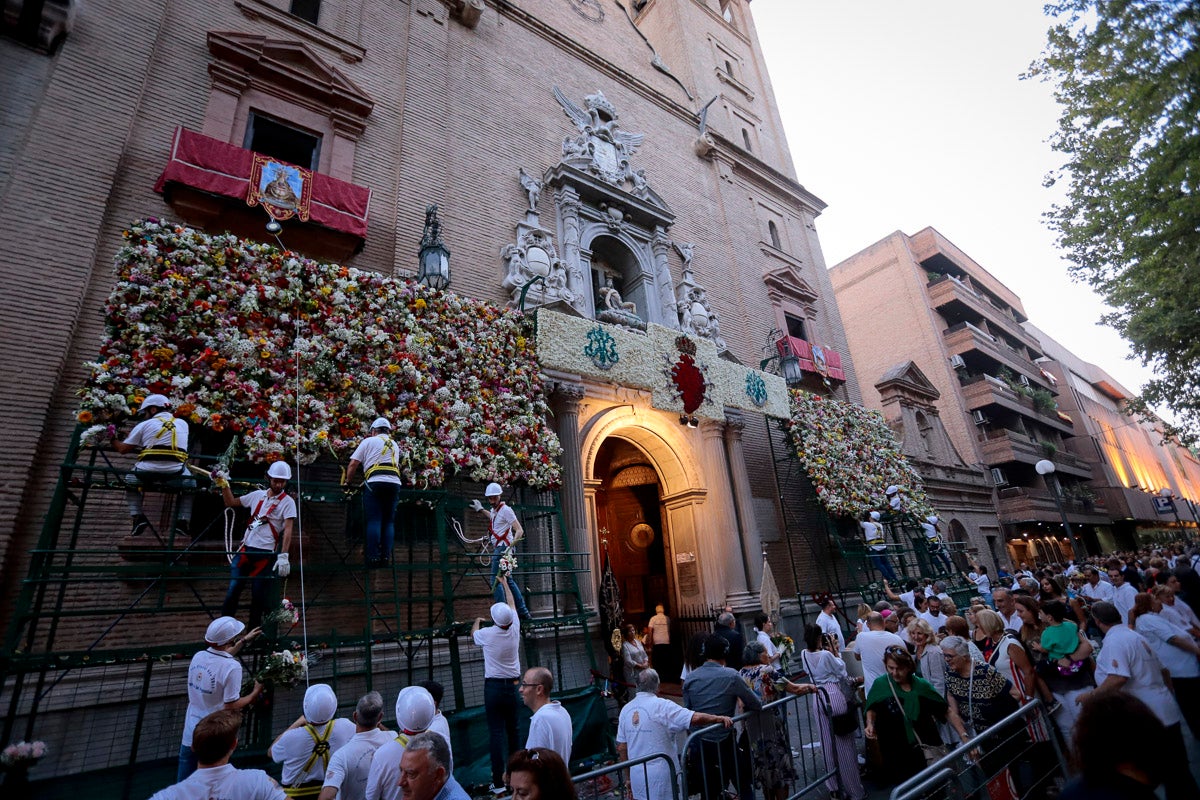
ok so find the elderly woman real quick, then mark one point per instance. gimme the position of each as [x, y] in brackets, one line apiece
[771, 753]
[633, 655]
[903, 711]
[826, 669]
[982, 697]
[958, 626]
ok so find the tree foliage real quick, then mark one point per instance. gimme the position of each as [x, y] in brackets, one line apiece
[1127, 78]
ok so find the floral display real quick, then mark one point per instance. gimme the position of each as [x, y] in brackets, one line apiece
[294, 354]
[852, 456]
[508, 563]
[286, 614]
[22, 755]
[786, 646]
[282, 670]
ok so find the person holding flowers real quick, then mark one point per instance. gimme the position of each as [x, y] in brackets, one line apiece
[379, 458]
[214, 682]
[505, 532]
[161, 442]
[272, 516]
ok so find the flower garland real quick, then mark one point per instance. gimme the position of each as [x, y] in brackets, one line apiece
[218, 324]
[852, 456]
[22, 755]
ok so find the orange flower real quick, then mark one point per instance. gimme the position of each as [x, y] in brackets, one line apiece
[84, 417]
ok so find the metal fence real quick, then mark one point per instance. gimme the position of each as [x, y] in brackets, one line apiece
[1019, 757]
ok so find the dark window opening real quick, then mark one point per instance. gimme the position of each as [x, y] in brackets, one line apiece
[307, 10]
[773, 231]
[279, 140]
[746, 139]
[795, 327]
[728, 68]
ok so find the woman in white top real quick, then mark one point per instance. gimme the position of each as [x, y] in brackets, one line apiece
[825, 668]
[1006, 653]
[764, 627]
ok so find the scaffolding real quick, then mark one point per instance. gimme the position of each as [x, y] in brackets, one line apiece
[95, 658]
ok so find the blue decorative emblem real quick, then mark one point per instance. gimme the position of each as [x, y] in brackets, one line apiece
[756, 389]
[601, 348]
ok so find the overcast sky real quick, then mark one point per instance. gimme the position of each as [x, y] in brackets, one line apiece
[907, 113]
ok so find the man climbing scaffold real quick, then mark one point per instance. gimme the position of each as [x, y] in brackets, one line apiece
[161, 442]
[505, 532]
[379, 457]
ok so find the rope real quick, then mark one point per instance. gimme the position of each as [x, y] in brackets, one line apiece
[484, 557]
[299, 503]
[230, 520]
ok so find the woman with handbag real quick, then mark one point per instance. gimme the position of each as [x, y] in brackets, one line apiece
[903, 711]
[767, 731]
[837, 715]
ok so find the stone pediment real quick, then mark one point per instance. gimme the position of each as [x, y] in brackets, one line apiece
[647, 211]
[786, 283]
[908, 376]
[289, 65]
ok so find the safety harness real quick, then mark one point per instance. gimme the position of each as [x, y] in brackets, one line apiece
[875, 537]
[321, 750]
[389, 460]
[500, 539]
[163, 453]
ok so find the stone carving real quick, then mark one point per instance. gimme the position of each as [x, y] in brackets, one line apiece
[533, 188]
[533, 256]
[610, 307]
[686, 251]
[695, 314]
[602, 148]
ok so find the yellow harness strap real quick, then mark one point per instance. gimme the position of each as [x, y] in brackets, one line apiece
[402, 739]
[159, 453]
[390, 466]
[320, 746]
[303, 792]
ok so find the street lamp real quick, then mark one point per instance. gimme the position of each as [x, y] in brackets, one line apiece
[1045, 468]
[789, 362]
[434, 269]
[1167, 493]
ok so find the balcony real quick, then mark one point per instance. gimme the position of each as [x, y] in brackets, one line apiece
[947, 292]
[964, 337]
[1021, 504]
[208, 181]
[982, 391]
[1004, 446]
[814, 358]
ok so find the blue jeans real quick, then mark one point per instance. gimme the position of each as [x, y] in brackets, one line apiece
[500, 707]
[187, 763]
[254, 566]
[880, 560]
[498, 590]
[937, 553]
[379, 503]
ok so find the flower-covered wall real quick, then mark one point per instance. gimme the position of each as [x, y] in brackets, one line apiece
[852, 456]
[297, 356]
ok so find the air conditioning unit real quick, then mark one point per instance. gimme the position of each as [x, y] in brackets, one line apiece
[979, 417]
[1023, 379]
[957, 362]
[998, 477]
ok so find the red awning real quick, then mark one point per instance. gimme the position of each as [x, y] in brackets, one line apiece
[802, 349]
[216, 167]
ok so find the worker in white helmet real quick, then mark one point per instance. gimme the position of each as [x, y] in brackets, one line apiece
[161, 443]
[266, 542]
[415, 710]
[506, 531]
[876, 545]
[379, 458]
[304, 749]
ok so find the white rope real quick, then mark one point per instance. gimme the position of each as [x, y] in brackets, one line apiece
[230, 520]
[299, 495]
[484, 556]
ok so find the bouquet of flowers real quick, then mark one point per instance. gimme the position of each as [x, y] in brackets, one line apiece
[286, 614]
[22, 755]
[786, 647]
[508, 563]
[97, 435]
[284, 669]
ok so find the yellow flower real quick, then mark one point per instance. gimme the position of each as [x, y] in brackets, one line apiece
[393, 368]
[420, 304]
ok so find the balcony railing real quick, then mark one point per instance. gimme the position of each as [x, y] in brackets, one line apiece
[946, 289]
[1001, 446]
[980, 391]
[1020, 504]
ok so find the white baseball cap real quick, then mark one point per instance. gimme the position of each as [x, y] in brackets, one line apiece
[280, 469]
[932, 519]
[155, 400]
[320, 703]
[222, 630]
[493, 490]
[502, 614]
[380, 422]
[874, 516]
[415, 709]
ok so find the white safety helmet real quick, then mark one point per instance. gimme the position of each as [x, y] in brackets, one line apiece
[932, 519]
[874, 516]
[415, 709]
[502, 614]
[320, 703]
[222, 630]
[892, 489]
[493, 490]
[380, 422]
[158, 400]
[280, 469]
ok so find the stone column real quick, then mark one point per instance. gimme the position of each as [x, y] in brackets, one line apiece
[567, 200]
[660, 244]
[565, 404]
[743, 499]
[718, 536]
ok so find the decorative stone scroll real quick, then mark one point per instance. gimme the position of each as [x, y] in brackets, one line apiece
[602, 148]
[533, 256]
[691, 300]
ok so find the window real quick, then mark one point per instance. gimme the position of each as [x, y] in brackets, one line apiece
[795, 326]
[282, 141]
[307, 10]
[746, 140]
[773, 232]
[728, 68]
[727, 11]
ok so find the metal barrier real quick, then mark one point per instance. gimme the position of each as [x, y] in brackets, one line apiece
[1007, 756]
[641, 778]
[784, 738]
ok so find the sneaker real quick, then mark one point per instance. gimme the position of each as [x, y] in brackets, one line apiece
[140, 525]
[497, 790]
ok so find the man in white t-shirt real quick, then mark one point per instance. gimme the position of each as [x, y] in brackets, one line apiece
[161, 443]
[1006, 607]
[415, 710]
[1095, 589]
[501, 673]
[505, 531]
[346, 776]
[828, 622]
[650, 725]
[214, 740]
[1123, 593]
[379, 458]
[870, 646]
[214, 682]
[304, 749]
[550, 726]
[272, 516]
[1127, 663]
[933, 613]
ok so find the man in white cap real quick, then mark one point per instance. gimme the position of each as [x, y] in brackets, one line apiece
[505, 532]
[272, 515]
[501, 673]
[933, 541]
[415, 709]
[161, 442]
[346, 775]
[895, 502]
[550, 726]
[379, 458]
[215, 739]
[214, 682]
[876, 545]
[306, 746]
